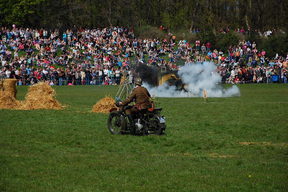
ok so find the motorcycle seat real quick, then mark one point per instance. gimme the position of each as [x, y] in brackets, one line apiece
[158, 109]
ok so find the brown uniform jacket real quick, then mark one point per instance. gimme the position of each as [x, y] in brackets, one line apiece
[141, 97]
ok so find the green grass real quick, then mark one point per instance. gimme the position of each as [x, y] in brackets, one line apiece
[71, 150]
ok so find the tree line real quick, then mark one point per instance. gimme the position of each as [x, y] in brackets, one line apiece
[173, 14]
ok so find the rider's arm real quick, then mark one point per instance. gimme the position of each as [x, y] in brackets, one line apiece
[130, 98]
[147, 92]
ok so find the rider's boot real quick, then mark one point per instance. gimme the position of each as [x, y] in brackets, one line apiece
[132, 124]
[123, 125]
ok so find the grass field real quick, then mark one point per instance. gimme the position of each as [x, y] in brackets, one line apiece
[226, 144]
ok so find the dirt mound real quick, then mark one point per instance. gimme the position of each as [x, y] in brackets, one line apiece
[40, 96]
[104, 105]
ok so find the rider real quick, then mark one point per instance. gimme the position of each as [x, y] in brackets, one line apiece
[142, 99]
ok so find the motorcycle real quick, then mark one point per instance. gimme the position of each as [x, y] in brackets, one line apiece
[145, 122]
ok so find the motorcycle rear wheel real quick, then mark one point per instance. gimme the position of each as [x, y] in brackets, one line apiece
[156, 127]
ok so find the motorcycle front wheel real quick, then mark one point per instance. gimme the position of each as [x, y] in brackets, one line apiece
[115, 122]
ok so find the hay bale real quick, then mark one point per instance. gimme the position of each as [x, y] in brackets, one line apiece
[104, 105]
[8, 94]
[40, 96]
[1, 85]
[9, 87]
[8, 102]
[1, 88]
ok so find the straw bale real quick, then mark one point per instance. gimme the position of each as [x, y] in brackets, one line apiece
[1, 85]
[40, 96]
[8, 94]
[9, 87]
[104, 105]
[8, 102]
[1, 88]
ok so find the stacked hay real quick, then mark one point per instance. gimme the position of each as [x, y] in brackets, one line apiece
[40, 96]
[1, 88]
[8, 94]
[1, 84]
[8, 102]
[104, 105]
[9, 87]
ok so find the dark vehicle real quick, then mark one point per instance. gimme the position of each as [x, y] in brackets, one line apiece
[146, 122]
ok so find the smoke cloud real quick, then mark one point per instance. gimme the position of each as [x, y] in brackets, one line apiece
[196, 77]
[148, 74]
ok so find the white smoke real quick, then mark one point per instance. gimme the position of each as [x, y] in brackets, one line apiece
[197, 77]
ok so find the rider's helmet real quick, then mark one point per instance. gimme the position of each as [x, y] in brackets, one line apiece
[138, 81]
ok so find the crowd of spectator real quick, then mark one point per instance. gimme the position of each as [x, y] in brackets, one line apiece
[244, 31]
[243, 63]
[102, 56]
